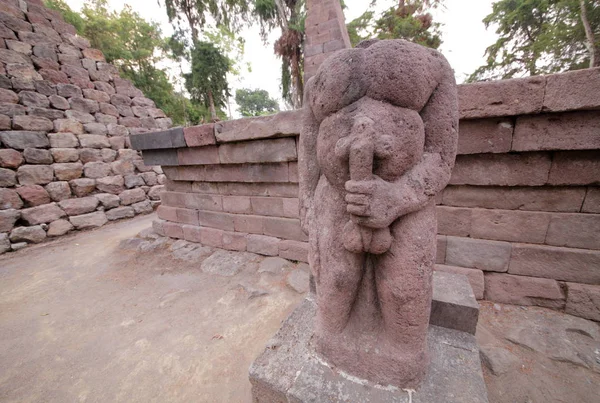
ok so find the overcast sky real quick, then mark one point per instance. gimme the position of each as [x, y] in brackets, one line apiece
[464, 38]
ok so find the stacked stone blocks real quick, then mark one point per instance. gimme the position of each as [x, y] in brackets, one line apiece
[65, 121]
[521, 217]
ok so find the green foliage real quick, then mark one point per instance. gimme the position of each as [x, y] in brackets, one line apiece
[289, 16]
[208, 78]
[255, 102]
[135, 46]
[409, 20]
[538, 37]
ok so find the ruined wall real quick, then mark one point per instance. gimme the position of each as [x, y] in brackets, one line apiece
[521, 216]
[65, 121]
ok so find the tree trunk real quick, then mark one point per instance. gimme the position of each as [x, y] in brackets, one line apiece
[211, 105]
[589, 34]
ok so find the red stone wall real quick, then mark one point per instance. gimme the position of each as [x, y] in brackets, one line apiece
[521, 216]
[65, 121]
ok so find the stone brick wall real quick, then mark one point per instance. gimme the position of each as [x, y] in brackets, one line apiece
[521, 216]
[326, 33]
[65, 121]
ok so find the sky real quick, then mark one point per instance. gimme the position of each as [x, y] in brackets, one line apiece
[463, 33]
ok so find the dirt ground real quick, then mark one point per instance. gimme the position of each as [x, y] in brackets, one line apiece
[87, 318]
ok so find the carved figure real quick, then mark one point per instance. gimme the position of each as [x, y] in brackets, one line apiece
[378, 143]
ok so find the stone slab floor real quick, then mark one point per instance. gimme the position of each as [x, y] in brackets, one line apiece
[98, 317]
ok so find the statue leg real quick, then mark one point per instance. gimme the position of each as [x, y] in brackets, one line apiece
[337, 271]
[403, 279]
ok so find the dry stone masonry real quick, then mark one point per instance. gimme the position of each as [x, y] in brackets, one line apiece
[520, 218]
[65, 121]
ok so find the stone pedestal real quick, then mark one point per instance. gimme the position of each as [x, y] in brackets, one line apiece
[289, 370]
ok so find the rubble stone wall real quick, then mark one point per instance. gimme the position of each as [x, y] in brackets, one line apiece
[520, 218]
[65, 121]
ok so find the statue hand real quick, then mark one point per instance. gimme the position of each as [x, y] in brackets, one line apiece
[373, 203]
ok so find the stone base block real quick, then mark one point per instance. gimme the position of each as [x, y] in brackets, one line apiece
[290, 371]
[453, 305]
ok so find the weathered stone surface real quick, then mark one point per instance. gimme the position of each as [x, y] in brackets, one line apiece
[485, 136]
[9, 199]
[65, 154]
[575, 168]
[111, 184]
[506, 98]
[96, 170]
[568, 199]
[35, 174]
[68, 171]
[42, 214]
[574, 230]
[132, 196]
[10, 158]
[108, 200]
[196, 156]
[264, 245]
[4, 243]
[278, 150]
[293, 250]
[564, 131]
[95, 128]
[21, 140]
[8, 218]
[8, 96]
[498, 360]
[91, 220]
[145, 207]
[132, 181]
[8, 177]
[454, 221]
[32, 123]
[58, 190]
[583, 300]
[94, 141]
[50, 114]
[478, 254]
[79, 206]
[63, 140]
[475, 277]
[453, 305]
[59, 227]
[82, 117]
[155, 192]
[564, 264]
[37, 156]
[122, 167]
[289, 370]
[198, 136]
[507, 225]
[522, 290]
[297, 280]
[590, 205]
[280, 124]
[224, 263]
[33, 195]
[571, 91]
[120, 213]
[34, 234]
[530, 169]
[82, 186]
[559, 343]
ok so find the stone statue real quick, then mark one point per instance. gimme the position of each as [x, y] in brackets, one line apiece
[378, 143]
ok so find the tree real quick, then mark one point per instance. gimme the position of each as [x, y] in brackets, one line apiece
[195, 15]
[289, 16]
[410, 20]
[255, 102]
[541, 36]
[207, 82]
[135, 46]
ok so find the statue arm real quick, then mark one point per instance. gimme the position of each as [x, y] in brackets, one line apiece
[431, 175]
[308, 167]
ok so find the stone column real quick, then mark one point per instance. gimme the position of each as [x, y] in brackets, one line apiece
[325, 33]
